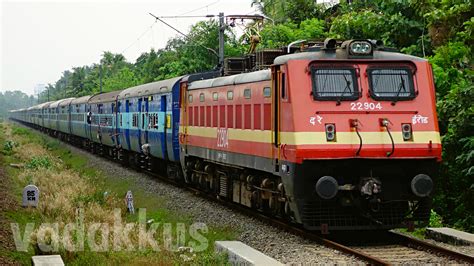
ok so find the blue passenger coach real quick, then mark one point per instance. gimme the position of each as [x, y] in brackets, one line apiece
[64, 118]
[79, 110]
[149, 119]
[101, 118]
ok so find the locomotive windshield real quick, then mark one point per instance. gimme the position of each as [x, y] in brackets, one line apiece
[391, 84]
[334, 83]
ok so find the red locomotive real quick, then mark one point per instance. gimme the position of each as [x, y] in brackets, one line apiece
[340, 136]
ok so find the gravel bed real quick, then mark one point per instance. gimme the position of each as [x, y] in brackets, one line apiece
[284, 247]
[469, 250]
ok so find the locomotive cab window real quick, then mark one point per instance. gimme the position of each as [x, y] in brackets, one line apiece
[230, 95]
[201, 97]
[336, 84]
[391, 84]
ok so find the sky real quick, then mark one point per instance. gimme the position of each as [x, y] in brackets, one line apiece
[41, 39]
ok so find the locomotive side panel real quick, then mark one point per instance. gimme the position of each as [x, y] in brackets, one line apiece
[231, 125]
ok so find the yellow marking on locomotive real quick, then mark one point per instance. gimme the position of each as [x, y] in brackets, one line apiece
[351, 138]
[207, 132]
[312, 138]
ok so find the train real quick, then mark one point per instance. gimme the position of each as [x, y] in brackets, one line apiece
[339, 136]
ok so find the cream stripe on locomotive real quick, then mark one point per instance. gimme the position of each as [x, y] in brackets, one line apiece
[312, 138]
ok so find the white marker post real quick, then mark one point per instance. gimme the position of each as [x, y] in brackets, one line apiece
[30, 196]
[129, 201]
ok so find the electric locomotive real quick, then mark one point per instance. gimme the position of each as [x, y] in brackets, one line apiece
[339, 137]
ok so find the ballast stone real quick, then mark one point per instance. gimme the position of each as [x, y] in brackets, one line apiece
[242, 254]
[47, 260]
[450, 235]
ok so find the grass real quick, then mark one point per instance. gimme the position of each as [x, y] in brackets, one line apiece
[66, 183]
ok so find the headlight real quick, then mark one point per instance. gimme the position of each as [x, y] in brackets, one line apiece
[421, 185]
[360, 48]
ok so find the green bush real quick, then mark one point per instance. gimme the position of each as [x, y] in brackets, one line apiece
[39, 162]
[435, 220]
[8, 147]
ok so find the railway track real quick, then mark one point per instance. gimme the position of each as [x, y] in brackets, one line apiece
[400, 248]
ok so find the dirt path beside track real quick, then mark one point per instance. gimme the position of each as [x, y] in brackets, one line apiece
[7, 203]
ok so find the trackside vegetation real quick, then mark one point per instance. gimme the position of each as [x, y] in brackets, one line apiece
[70, 192]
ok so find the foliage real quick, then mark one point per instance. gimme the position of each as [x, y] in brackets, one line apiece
[21, 131]
[8, 147]
[294, 11]
[435, 220]
[274, 36]
[39, 162]
[452, 67]
[389, 25]
[11, 100]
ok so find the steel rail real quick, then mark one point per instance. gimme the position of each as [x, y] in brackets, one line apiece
[414, 242]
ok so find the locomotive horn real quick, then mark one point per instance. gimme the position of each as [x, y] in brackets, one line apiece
[327, 187]
[421, 185]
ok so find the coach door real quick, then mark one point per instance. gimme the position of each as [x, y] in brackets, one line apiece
[118, 123]
[144, 121]
[127, 123]
[277, 81]
[88, 114]
[164, 122]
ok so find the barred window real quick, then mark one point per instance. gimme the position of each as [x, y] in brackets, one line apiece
[135, 120]
[391, 84]
[334, 84]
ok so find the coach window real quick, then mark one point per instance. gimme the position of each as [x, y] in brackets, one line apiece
[215, 96]
[267, 92]
[230, 95]
[247, 93]
[190, 98]
[201, 97]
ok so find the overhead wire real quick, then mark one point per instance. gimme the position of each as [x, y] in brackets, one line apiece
[179, 16]
[139, 37]
[197, 9]
[185, 36]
